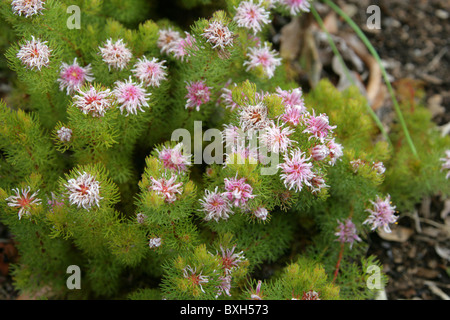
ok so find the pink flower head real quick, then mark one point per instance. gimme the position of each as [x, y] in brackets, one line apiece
[174, 159]
[378, 167]
[346, 232]
[276, 138]
[64, 134]
[292, 98]
[293, 115]
[218, 35]
[382, 214]
[167, 40]
[130, 96]
[225, 286]
[196, 279]
[84, 190]
[24, 201]
[251, 16]
[166, 188]
[226, 97]
[238, 191]
[317, 184]
[261, 213]
[72, 77]
[263, 57]
[446, 163]
[116, 54]
[257, 294]
[198, 94]
[319, 152]
[335, 151]
[310, 295]
[253, 118]
[296, 6]
[297, 170]
[34, 54]
[93, 101]
[318, 126]
[27, 7]
[215, 205]
[150, 72]
[180, 46]
[231, 260]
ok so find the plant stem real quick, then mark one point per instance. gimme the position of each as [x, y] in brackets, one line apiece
[347, 73]
[374, 53]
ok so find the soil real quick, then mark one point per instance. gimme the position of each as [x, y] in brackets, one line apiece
[413, 42]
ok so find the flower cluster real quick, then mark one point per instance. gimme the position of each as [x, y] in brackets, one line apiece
[72, 77]
[27, 8]
[167, 188]
[251, 16]
[130, 96]
[346, 232]
[263, 57]
[150, 72]
[64, 134]
[93, 101]
[174, 159]
[198, 94]
[115, 54]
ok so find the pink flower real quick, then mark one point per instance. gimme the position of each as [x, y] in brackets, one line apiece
[198, 94]
[150, 73]
[263, 57]
[167, 40]
[346, 232]
[218, 35]
[251, 16]
[130, 96]
[276, 138]
[296, 6]
[34, 54]
[196, 279]
[173, 158]
[72, 77]
[257, 294]
[382, 214]
[296, 170]
[227, 98]
[261, 213]
[231, 260]
[292, 115]
[335, 151]
[116, 54]
[318, 126]
[24, 201]
[64, 134]
[180, 46]
[317, 184]
[93, 101]
[446, 163]
[225, 286]
[253, 118]
[320, 152]
[215, 205]
[166, 188]
[292, 98]
[27, 7]
[84, 190]
[310, 295]
[238, 191]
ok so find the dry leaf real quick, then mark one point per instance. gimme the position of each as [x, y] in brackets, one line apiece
[442, 252]
[397, 234]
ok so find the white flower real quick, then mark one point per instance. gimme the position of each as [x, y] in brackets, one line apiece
[150, 72]
[154, 242]
[64, 134]
[84, 191]
[167, 40]
[93, 101]
[34, 54]
[253, 118]
[276, 138]
[263, 57]
[218, 35]
[24, 201]
[27, 7]
[116, 54]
